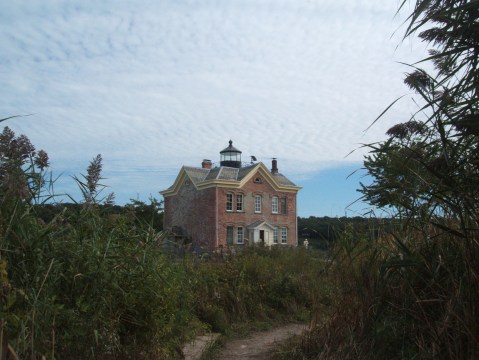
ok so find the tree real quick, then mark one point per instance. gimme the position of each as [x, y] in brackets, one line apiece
[413, 293]
[151, 214]
[428, 171]
[430, 164]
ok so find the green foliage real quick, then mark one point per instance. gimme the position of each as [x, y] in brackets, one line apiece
[89, 280]
[151, 214]
[21, 168]
[398, 298]
[323, 232]
[87, 275]
[90, 186]
[413, 293]
[430, 164]
[258, 284]
[141, 213]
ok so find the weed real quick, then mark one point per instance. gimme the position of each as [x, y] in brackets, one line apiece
[83, 282]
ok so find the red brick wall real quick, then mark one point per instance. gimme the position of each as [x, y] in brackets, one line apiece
[249, 190]
[194, 212]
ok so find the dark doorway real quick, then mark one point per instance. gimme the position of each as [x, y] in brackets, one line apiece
[261, 236]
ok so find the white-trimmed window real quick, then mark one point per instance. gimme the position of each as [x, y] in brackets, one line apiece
[229, 202]
[240, 235]
[284, 206]
[284, 235]
[257, 204]
[275, 236]
[229, 235]
[274, 205]
[239, 202]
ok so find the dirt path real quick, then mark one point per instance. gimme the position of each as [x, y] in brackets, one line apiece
[258, 345]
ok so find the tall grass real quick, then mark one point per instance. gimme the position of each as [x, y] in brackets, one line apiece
[414, 294]
[259, 284]
[86, 286]
[92, 284]
[407, 296]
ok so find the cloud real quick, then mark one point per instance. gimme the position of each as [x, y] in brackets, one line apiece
[153, 85]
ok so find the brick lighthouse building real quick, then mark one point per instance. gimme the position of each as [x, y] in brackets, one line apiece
[232, 204]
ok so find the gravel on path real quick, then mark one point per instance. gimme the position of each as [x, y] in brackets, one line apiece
[258, 345]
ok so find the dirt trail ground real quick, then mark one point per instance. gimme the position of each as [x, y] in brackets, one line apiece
[258, 345]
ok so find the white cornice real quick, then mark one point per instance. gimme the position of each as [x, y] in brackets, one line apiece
[232, 184]
[173, 190]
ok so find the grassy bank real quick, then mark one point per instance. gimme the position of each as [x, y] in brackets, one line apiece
[106, 282]
[413, 293]
[409, 295]
[92, 284]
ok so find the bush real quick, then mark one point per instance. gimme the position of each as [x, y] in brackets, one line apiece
[414, 293]
[86, 281]
[85, 284]
[257, 284]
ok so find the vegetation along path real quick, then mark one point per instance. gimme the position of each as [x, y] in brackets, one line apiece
[259, 345]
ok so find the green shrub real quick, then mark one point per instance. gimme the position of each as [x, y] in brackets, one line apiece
[414, 293]
[84, 281]
[85, 284]
[258, 284]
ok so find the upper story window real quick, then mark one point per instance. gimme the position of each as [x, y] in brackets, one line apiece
[284, 206]
[240, 235]
[257, 204]
[239, 202]
[229, 202]
[274, 205]
[284, 235]
[275, 236]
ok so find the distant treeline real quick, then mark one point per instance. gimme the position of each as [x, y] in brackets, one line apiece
[322, 232]
[150, 213]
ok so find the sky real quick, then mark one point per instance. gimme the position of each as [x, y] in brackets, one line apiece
[155, 85]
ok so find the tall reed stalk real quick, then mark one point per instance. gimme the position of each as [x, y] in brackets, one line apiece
[414, 293]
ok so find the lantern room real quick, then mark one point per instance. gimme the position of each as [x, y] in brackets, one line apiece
[230, 156]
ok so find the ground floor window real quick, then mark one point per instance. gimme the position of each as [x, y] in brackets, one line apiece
[240, 235]
[229, 235]
[275, 236]
[284, 235]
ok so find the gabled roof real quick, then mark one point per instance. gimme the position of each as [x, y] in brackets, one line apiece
[225, 176]
[259, 223]
[196, 175]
